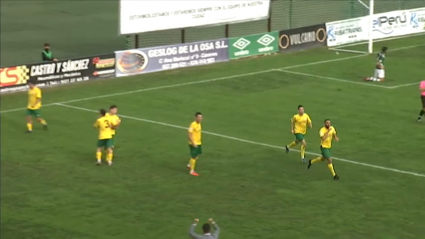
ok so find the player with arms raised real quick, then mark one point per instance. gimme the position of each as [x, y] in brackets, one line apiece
[105, 138]
[379, 68]
[114, 120]
[422, 90]
[195, 143]
[299, 123]
[34, 106]
[327, 134]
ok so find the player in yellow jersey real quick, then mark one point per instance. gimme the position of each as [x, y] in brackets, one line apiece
[195, 142]
[105, 138]
[34, 106]
[327, 134]
[114, 120]
[299, 123]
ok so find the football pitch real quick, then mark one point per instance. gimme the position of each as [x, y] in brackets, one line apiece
[51, 188]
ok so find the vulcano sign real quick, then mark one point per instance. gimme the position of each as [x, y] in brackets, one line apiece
[302, 38]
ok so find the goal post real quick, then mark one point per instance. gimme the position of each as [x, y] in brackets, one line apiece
[370, 27]
[380, 21]
[358, 31]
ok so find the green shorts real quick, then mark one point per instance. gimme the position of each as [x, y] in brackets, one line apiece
[195, 152]
[35, 113]
[299, 137]
[113, 140]
[104, 143]
[326, 152]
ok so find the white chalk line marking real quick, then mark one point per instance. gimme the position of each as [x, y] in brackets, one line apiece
[206, 81]
[250, 142]
[184, 84]
[334, 79]
[351, 81]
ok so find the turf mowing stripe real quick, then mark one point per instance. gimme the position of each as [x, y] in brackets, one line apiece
[249, 141]
[321, 62]
[149, 89]
[187, 83]
[207, 80]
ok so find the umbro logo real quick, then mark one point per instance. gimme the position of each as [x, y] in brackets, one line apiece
[266, 40]
[241, 44]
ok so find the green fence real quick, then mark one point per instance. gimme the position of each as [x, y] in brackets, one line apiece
[79, 28]
[285, 14]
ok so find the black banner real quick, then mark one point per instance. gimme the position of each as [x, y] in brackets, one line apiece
[57, 73]
[302, 38]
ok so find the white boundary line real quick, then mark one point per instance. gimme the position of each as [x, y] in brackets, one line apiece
[355, 82]
[148, 89]
[403, 85]
[249, 141]
[186, 83]
[349, 81]
[220, 79]
[336, 79]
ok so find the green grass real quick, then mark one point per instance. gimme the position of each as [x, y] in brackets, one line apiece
[52, 189]
[73, 28]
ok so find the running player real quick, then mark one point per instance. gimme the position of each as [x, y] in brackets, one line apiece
[299, 123]
[327, 134]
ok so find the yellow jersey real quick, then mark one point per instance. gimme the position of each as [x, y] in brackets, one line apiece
[195, 129]
[327, 143]
[113, 120]
[34, 95]
[103, 125]
[300, 123]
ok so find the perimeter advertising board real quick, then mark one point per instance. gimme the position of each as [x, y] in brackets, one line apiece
[347, 31]
[57, 73]
[145, 60]
[398, 23]
[384, 25]
[302, 38]
[253, 45]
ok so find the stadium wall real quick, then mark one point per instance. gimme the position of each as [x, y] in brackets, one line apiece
[285, 14]
[92, 26]
[167, 57]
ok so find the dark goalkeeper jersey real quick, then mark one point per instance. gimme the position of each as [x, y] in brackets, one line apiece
[381, 57]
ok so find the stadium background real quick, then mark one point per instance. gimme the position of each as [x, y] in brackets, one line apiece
[83, 28]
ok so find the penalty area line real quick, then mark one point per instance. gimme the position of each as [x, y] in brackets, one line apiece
[249, 141]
